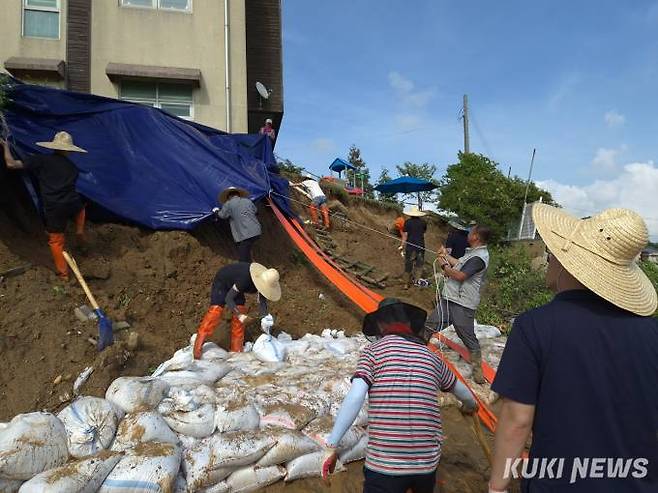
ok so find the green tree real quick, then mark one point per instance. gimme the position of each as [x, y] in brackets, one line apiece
[361, 175]
[389, 198]
[424, 171]
[476, 190]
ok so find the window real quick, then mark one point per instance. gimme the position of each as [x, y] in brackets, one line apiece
[179, 5]
[41, 18]
[170, 97]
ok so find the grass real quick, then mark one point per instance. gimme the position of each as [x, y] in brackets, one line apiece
[651, 270]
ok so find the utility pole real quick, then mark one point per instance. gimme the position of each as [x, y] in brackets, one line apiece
[467, 140]
[527, 187]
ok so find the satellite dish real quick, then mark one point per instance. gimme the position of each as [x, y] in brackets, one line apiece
[262, 90]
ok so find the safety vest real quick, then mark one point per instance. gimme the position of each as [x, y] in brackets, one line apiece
[467, 293]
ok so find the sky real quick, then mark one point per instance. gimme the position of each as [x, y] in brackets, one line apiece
[576, 80]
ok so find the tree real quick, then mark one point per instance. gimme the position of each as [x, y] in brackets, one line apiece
[424, 171]
[476, 190]
[287, 166]
[361, 175]
[389, 198]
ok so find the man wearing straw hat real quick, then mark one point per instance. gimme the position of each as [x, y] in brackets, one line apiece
[228, 289]
[242, 215]
[57, 176]
[402, 378]
[581, 372]
[413, 244]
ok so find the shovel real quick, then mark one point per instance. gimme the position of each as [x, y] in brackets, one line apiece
[105, 336]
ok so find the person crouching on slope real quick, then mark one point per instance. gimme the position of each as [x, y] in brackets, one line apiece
[402, 378]
[228, 289]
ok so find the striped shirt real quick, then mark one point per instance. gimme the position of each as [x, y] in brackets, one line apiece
[404, 421]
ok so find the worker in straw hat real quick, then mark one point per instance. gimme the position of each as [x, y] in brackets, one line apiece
[311, 188]
[57, 176]
[242, 215]
[581, 372]
[402, 379]
[413, 244]
[229, 287]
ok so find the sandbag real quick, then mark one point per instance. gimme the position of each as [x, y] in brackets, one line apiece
[319, 430]
[90, 423]
[184, 358]
[84, 476]
[308, 466]
[147, 468]
[250, 479]
[289, 445]
[136, 394]
[30, 444]
[236, 416]
[199, 372]
[10, 485]
[268, 349]
[357, 452]
[213, 459]
[141, 428]
[185, 413]
[289, 416]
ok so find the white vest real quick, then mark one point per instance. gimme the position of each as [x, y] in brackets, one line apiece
[467, 293]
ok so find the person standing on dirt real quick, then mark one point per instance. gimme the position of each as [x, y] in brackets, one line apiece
[402, 379]
[318, 200]
[56, 175]
[229, 287]
[580, 372]
[465, 278]
[413, 245]
[242, 215]
[268, 130]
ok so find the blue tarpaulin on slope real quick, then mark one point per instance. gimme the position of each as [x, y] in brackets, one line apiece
[406, 184]
[143, 164]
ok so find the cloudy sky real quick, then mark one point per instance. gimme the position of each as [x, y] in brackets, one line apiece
[575, 80]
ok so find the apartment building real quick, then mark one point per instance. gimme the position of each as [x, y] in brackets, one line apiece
[198, 59]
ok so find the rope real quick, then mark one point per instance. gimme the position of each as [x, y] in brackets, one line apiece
[362, 226]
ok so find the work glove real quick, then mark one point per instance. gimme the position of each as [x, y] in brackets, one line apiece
[329, 461]
[469, 407]
[242, 318]
[266, 323]
[491, 490]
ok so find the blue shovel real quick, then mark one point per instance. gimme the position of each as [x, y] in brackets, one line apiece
[105, 336]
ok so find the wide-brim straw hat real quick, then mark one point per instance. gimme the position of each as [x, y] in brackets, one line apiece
[266, 281]
[457, 226]
[392, 310]
[414, 212]
[61, 142]
[224, 194]
[601, 253]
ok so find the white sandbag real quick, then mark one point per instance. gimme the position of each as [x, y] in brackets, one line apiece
[308, 466]
[319, 430]
[214, 458]
[84, 476]
[357, 452]
[136, 394]
[289, 445]
[141, 428]
[486, 331]
[181, 485]
[90, 423]
[250, 479]
[267, 348]
[30, 444]
[185, 413]
[147, 468]
[10, 485]
[184, 358]
[236, 416]
[197, 373]
[289, 416]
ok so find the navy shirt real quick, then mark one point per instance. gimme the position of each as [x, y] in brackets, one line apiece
[56, 175]
[458, 243]
[415, 228]
[591, 370]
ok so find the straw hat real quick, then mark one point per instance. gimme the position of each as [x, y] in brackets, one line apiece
[458, 226]
[394, 310]
[224, 195]
[62, 142]
[600, 252]
[414, 212]
[266, 281]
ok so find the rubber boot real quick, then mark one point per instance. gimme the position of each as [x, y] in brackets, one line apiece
[476, 365]
[410, 280]
[237, 331]
[206, 328]
[314, 215]
[56, 244]
[325, 216]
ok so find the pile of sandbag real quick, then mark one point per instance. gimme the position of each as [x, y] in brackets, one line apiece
[229, 422]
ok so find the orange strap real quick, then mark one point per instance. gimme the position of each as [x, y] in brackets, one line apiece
[488, 372]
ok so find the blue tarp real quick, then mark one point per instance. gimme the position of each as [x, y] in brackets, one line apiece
[406, 184]
[143, 164]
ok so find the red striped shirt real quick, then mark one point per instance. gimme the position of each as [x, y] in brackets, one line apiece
[404, 420]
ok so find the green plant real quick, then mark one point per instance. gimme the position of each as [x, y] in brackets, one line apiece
[651, 270]
[335, 191]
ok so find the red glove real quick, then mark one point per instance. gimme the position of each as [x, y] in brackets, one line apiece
[329, 462]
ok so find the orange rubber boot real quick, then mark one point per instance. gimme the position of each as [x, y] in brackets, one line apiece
[56, 244]
[207, 327]
[314, 214]
[80, 218]
[325, 216]
[237, 331]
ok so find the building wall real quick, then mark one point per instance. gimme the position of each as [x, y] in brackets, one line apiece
[175, 39]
